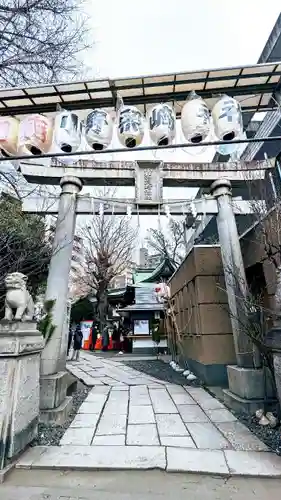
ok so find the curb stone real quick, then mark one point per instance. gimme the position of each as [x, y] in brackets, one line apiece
[227, 463]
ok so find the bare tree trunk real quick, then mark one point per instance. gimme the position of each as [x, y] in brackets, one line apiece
[102, 307]
[277, 298]
[277, 325]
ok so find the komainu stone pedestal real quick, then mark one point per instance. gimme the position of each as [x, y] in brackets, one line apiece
[247, 389]
[20, 348]
[54, 403]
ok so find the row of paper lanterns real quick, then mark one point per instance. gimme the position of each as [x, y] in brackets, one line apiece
[37, 134]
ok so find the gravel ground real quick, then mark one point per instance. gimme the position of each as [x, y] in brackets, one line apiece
[271, 437]
[163, 371]
[50, 435]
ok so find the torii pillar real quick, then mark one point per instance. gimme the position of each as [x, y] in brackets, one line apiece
[234, 272]
[246, 379]
[54, 404]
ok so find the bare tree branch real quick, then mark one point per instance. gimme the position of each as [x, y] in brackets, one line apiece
[108, 243]
[169, 244]
[40, 40]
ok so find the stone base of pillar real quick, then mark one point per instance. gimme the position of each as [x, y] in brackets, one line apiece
[248, 388]
[20, 348]
[54, 403]
[247, 406]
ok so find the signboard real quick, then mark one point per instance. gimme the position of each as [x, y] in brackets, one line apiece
[145, 295]
[141, 327]
[86, 330]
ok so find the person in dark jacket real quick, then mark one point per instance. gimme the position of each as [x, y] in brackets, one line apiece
[70, 338]
[94, 335]
[77, 343]
[116, 338]
[105, 338]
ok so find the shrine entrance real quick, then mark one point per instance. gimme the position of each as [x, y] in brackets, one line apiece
[148, 177]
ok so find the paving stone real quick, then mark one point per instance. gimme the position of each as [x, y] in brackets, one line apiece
[95, 397]
[118, 396]
[31, 455]
[81, 436]
[192, 413]
[162, 402]
[89, 381]
[100, 389]
[90, 408]
[140, 400]
[182, 398]
[112, 424]
[108, 381]
[142, 434]
[85, 420]
[210, 403]
[175, 389]
[138, 390]
[221, 415]
[141, 415]
[118, 388]
[190, 460]
[178, 441]
[253, 463]
[205, 400]
[102, 457]
[116, 407]
[170, 425]
[240, 437]
[113, 440]
[154, 386]
[96, 373]
[207, 436]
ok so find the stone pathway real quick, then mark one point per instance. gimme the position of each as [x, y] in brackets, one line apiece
[132, 421]
[97, 371]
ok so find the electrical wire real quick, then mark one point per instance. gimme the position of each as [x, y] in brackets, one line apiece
[144, 148]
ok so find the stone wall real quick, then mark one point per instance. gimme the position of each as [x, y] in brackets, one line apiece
[201, 311]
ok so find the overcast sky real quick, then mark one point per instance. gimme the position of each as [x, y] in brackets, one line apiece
[163, 36]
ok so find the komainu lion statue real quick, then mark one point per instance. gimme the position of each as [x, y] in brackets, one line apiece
[18, 298]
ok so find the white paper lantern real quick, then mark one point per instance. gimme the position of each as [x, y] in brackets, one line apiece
[71, 160]
[130, 126]
[35, 135]
[227, 118]
[99, 129]
[162, 124]
[195, 119]
[9, 130]
[68, 130]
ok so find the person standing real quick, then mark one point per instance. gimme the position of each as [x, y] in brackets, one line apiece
[105, 339]
[77, 343]
[116, 338]
[70, 338]
[94, 335]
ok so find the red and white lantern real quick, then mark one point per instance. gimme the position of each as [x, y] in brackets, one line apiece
[35, 135]
[9, 130]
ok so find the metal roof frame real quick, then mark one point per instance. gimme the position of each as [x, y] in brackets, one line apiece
[252, 85]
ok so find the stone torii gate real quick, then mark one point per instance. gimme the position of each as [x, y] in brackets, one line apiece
[149, 178]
